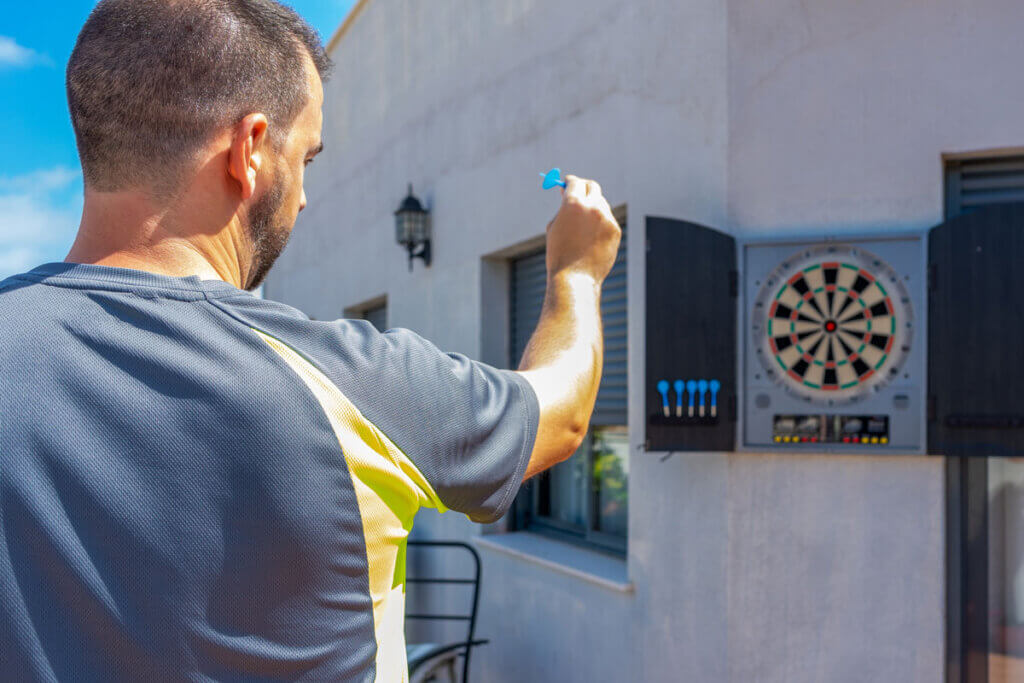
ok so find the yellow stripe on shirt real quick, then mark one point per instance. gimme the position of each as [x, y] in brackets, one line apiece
[389, 490]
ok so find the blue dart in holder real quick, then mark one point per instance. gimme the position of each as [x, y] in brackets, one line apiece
[679, 386]
[552, 178]
[715, 387]
[702, 387]
[663, 390]
[691, 388]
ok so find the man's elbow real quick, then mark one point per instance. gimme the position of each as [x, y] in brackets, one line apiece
[574, 437]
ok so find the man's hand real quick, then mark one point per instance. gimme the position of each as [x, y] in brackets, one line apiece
[584, 236]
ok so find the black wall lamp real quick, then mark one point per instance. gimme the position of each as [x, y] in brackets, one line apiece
[412, 228]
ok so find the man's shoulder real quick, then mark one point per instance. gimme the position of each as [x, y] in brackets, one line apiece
[326, 342]
[271, 317]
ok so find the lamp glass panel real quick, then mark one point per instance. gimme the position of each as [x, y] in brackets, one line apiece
[403, 229]
[419, 227]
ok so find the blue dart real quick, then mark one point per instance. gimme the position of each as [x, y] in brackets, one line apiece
[691, 388]
[679, 385]
[552, 178]
[715, 386]
[663, 390]
[702, 387]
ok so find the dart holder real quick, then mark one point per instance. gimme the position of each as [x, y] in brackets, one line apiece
[688, 399]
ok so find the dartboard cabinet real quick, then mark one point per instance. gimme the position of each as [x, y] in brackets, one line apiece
[878, 344]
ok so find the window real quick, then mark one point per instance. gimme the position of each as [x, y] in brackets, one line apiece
[375, 311]
[983, 181]
[584, 499]
[984, 495]
[378, 315]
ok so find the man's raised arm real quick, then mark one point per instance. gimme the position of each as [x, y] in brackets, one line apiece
[563, 359]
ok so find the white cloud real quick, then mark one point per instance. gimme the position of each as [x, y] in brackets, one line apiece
[18, 260]
[40, 181]
[39, 214]
[12, 54]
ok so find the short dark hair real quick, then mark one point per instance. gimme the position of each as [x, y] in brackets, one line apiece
[149, 82]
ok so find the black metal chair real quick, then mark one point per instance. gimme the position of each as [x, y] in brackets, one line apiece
[426, 660]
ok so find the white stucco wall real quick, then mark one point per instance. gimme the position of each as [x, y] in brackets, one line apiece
[755, 117]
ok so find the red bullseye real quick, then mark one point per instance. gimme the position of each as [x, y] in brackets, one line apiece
[830, 326]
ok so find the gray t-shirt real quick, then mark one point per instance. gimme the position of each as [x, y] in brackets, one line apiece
[197, 484]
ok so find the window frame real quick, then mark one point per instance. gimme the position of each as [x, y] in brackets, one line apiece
[362, 310]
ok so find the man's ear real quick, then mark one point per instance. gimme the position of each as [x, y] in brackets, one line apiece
[248, 147]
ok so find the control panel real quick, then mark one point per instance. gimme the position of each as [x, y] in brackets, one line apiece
[869, 430]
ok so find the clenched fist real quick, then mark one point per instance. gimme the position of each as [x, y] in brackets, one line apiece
[584, 236]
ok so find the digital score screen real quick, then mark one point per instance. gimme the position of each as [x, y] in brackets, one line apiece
[831, 429]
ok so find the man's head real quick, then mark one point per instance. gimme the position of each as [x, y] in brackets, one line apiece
[162, 92]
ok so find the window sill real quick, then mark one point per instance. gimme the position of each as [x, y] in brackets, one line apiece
[590, 566]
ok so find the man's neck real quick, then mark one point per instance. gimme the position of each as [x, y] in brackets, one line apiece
[127, 230]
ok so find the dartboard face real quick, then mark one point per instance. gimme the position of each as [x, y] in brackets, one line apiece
[833, 324]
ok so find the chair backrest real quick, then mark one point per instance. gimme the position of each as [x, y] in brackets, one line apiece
[470, 618]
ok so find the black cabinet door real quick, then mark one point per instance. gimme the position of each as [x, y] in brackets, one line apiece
[976, 334]
[691, 313]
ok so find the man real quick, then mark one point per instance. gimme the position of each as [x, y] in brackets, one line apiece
[196, 484]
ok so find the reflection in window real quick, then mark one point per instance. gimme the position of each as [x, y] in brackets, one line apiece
[1006, 569]
[610, 465]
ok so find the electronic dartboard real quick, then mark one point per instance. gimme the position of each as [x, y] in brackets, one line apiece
[832, 349]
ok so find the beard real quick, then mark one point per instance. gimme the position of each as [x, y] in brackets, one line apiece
[268, 239]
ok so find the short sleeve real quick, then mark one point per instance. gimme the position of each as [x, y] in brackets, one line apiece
[469, 428]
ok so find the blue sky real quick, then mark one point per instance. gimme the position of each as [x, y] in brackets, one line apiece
[40, 182]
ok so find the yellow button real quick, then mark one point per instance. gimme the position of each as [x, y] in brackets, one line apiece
[778, 439]
[885, 439]
[874, 439]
